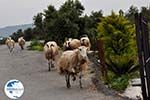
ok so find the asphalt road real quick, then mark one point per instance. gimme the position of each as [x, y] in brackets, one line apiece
[30, 67]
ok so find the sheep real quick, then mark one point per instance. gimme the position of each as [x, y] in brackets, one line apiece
[85, 41]
[71, 44]
[21, 42]
[66, 44]
[10, 44]
[51, 51]
[73, 63]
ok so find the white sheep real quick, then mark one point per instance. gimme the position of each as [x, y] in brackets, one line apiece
[72, 63]
[51, 51]
[85, 41]
[21, 42]
[71, 44]
[10, 44]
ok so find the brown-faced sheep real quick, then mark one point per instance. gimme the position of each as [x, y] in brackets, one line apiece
[71, 44]
[10, 44]
[85, 41]
[21, 42]
[72, 63]
[51, 50]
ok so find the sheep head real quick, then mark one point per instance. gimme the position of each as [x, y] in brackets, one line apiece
[82, 53]
[67, 43]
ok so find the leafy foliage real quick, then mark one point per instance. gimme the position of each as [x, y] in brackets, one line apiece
[16, 35]
[130, 15]
[39, 27]
[2, 41]
[36, 45]
[67, 21]
[28, 34]
[120, 49]
[123, 64]
[120, 83]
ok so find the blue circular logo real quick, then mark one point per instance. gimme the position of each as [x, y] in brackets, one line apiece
[14, 89]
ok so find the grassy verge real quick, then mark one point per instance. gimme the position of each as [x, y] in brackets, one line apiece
[120, 83]
[36, 45]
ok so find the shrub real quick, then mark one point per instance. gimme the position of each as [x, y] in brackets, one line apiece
[120, 83]
[3, 41]
[36, 45]
[120, 49]
[122, 64]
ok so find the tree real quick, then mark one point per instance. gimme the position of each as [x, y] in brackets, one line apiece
[28, 34]
[64, 22]
[50, 17]
[17, 34]
[146, 12]
[120, 49]
[70, 14]
[39, 27]
[67, 21]
[130, 14]
[121, 13]
[38, 21]
[96, 16]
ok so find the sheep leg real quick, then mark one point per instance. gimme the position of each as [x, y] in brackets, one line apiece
[67, 76]
[49, 68]
[73, 77]
[52, 63]
[80, 80]
[22, 47]
[49, 65]
[68, 81]
[11, 50]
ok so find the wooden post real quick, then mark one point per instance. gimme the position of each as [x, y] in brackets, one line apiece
[100, 46]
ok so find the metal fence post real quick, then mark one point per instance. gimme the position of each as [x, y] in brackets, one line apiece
[140, 54]
[145, 35]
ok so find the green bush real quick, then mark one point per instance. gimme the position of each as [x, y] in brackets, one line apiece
[118, 83]
[36, 45]
[118, 35]
[3, 41]
[122, 64]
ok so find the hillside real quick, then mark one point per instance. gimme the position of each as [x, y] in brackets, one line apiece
[7, 31]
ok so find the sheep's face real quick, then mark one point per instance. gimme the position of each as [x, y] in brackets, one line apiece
[66, 44]
[83, 52]
[84, 40]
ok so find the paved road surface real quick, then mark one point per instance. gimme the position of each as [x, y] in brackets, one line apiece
[30, 67]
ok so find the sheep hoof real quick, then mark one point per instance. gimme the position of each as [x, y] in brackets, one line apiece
[52, 66]
[81, 87]
[49, 69]
[68, 86]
